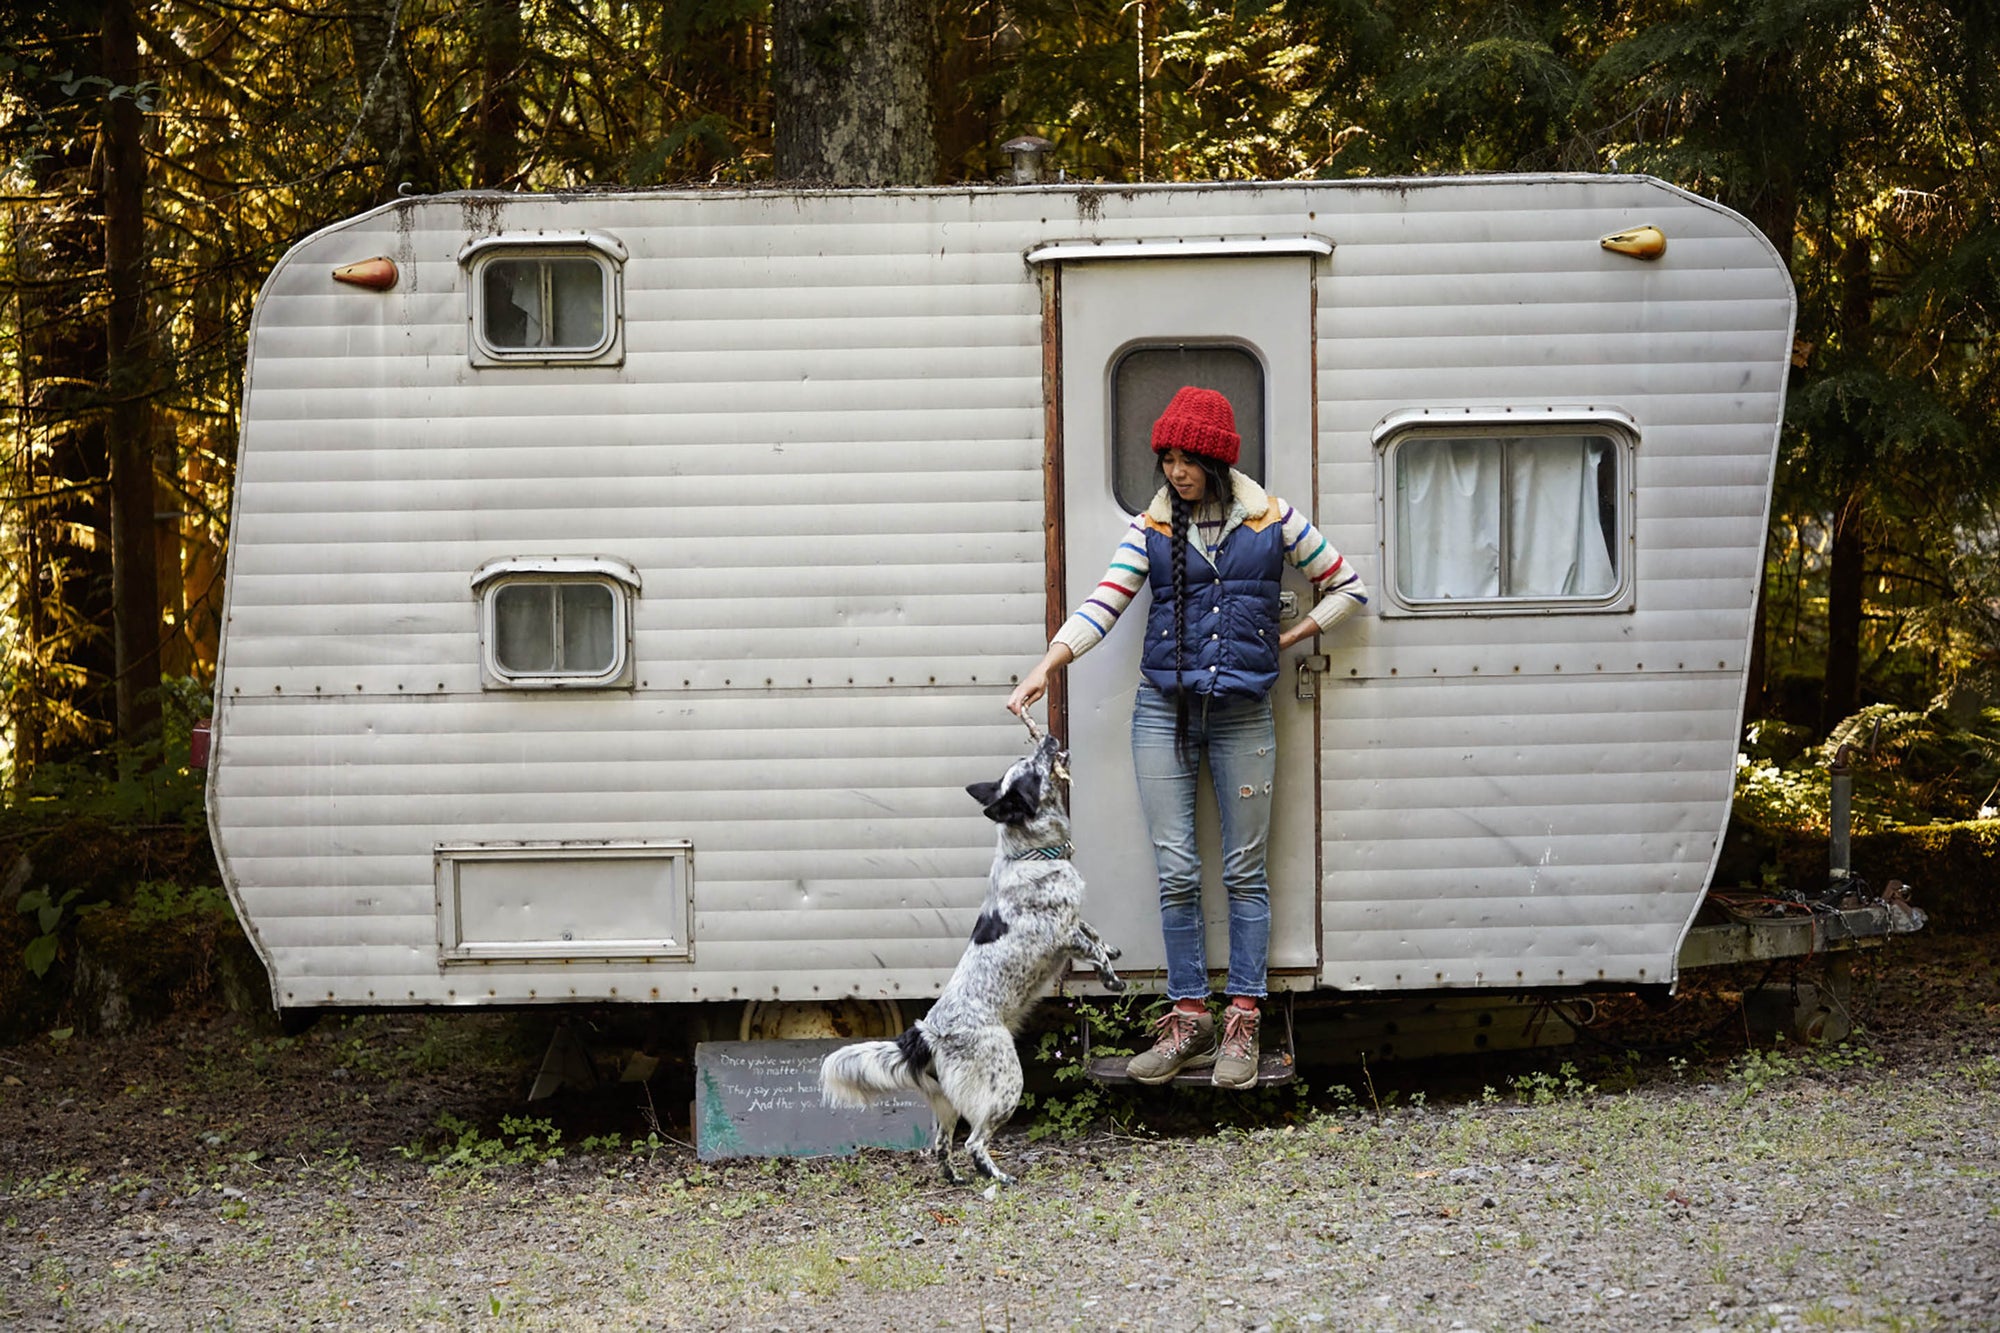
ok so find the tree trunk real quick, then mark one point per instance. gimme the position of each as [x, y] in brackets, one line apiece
[496, 148]
[1842, 697]
[1769, 196]
[128, 364]
[61, 695]
[851, 84]
[390, 122]
[1846, 571]
[1759, 665]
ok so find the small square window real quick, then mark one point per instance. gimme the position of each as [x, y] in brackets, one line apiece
[554, 629]
[545, 300]
[545, 304]
[555, 622]
[1146, 378]
[1532, 521]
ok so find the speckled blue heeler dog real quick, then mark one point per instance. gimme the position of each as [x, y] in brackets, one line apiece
[961, 1054]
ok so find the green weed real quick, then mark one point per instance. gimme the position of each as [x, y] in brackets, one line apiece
[521, 1141]
[1983, 1075]
[1070, 1114]
[41, 951]
[614, 1144]
[1541, 1088]
[1754, 1071]
[160, 902]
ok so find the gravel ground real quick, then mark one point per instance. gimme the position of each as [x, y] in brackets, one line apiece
[371, 1174]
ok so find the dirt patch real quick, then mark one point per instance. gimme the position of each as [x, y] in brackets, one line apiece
[385, 1172]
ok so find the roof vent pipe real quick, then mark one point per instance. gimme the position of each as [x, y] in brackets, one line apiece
[1027, 154]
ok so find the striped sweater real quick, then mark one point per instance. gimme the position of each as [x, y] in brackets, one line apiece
[1338, 588]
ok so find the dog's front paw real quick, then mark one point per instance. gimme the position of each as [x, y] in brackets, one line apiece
[1112, 981]
[1113, 952]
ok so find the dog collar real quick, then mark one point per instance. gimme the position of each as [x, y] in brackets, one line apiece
[1061, 853]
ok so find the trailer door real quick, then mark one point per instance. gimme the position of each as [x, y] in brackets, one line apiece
[1132, 331]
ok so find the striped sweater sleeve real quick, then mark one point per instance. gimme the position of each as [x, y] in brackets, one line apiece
[1089, 623]
[1339, 589]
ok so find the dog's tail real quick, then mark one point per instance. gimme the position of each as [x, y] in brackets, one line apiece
[858, 1074]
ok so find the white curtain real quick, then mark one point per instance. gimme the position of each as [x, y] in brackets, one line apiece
[524, 617]
[1558, 547]
[1448, 530]
[588, 622]
[1448, 525]
[542, 628]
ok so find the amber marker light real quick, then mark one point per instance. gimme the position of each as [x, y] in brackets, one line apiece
[377, 274]
[1640, 242]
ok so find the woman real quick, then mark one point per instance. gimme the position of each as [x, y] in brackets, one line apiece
[1213, 547]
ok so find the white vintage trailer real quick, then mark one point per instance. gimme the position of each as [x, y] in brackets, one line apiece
[620, 598]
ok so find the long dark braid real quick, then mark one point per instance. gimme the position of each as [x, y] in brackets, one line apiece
[1220, 491]
[1183, 728]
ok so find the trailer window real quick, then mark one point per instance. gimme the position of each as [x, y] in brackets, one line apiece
[1144, 380]
[553, 304]
[545, 300]
[544, 627]
[1532, 521]
[554, 629]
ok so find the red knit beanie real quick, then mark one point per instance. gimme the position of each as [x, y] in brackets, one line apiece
[1198, 421]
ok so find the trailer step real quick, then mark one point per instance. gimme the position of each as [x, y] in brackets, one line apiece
[1277, 1061]
[1273, 1069]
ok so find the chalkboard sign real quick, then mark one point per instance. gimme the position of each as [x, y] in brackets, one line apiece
[761, 1099]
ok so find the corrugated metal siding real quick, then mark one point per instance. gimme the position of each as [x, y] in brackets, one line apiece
[1537, 800]
[823, 454]
[826, 468]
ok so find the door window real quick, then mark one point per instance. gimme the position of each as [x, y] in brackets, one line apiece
[1144, 380]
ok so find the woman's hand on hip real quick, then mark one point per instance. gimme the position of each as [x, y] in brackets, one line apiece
[1298, 633]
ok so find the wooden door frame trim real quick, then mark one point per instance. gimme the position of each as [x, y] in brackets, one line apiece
[1055, 581]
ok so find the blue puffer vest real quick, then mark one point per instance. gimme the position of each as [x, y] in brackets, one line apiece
[1230, 647]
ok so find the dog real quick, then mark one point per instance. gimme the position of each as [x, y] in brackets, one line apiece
[961, 1054]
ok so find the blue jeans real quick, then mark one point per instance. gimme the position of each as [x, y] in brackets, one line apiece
[1241, 744]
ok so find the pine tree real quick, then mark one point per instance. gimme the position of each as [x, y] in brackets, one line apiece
[852, 96]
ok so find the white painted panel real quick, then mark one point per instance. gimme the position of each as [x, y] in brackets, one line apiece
[1266, 306]
[580, 905]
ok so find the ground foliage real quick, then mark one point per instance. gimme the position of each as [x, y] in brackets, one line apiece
[111, 910]
[384, 1172]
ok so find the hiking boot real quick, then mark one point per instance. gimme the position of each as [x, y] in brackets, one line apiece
[1236, 1059]
[1186, 1041]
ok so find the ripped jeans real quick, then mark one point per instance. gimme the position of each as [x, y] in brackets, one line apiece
[1240, 742]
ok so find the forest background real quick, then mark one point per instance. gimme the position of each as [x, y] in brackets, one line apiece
[160, 157]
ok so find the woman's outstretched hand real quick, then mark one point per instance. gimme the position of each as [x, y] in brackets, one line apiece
[1028, 693]
[1036, 683]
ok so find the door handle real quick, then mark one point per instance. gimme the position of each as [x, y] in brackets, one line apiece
[1310, 666]
[1288, 605]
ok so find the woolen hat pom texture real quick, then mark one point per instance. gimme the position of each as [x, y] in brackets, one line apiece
[1198, 421]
